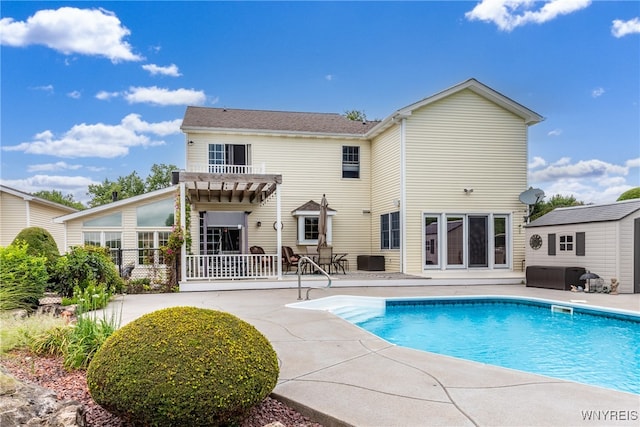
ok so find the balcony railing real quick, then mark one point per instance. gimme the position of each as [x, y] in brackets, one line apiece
[246, 266]
[227, 169]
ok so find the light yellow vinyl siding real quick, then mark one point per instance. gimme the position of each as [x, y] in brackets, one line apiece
[14, 217]
[18, 214]
[464, 141]
[310, 167]
[386, 185]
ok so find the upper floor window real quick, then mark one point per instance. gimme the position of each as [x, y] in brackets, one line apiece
[350, 161]
[229, 158]
[390, 231]
[566, 243]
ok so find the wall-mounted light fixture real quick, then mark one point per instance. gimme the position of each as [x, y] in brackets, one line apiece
[259, 224]
[468, 190]
[396, 203]
[366, 211]
[190, 142]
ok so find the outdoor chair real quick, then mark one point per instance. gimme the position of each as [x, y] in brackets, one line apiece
[340, 262]
[289, 258]
[325, 258]
[257, 250]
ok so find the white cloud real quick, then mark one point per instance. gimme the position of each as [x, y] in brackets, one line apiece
[633, 163]
[621, 28]
[45, 88]
[74, 185]
[171, 70]
[509, 14]
[589, 181]
[69, 30]
[597, 92]
[49, 167]
[99, 140]
[537, 162]
[328, 77]
[74, 94]
[555, 132]
[103, 95]
[163, 96]
[562, 161]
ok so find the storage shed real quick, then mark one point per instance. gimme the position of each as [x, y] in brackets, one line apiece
[603, 239]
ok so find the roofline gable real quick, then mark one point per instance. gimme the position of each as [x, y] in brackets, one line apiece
[31, 198]
[530, 117]
[116, 204]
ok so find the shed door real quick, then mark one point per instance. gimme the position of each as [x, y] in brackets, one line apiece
[636, 256]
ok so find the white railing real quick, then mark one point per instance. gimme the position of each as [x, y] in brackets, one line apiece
[227, 169]
[214, 267]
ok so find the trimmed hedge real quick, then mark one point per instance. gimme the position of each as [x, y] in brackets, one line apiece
[183, 366]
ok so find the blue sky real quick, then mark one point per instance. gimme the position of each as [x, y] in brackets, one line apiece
[95, 90]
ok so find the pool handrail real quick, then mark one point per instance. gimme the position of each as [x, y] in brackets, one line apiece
[306, 259]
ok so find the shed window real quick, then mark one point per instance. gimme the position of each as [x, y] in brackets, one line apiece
[566, 243]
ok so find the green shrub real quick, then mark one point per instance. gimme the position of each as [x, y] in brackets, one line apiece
[183, 366]
[23, 277]
[139, 286]
[41, 243]
[86, 338]
[84, 266]
[17, 332]
[93, 297]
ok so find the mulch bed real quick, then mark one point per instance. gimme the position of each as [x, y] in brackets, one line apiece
[72, 385]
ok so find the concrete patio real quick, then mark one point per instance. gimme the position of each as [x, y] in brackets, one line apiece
[338, 374]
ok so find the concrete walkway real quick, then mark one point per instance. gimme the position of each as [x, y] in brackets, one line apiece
[341, 375]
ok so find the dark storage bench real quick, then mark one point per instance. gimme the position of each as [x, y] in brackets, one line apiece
[371, 262]
[540, 276]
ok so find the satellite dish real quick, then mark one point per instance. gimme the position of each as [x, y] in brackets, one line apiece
[531, 196]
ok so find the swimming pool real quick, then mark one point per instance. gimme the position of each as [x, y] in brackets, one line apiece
[566, 341]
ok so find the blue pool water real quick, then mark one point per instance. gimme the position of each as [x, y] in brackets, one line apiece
[585, 347]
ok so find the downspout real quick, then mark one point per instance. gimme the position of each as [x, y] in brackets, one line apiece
[183, 224]
[279, 231]
[403, 194]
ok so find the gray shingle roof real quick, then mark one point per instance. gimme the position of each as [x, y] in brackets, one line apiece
[273, 121]
[590, 213]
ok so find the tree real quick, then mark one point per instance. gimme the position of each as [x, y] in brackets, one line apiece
[160, 177]
[131, 185]
[633, 193]
[557, 201]
[356, 115]
[125, 187]
[57, 197]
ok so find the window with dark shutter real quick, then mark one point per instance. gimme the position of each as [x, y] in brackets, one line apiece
[580, 248]
[551, 244]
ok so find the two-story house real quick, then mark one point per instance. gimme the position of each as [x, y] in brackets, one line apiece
[432, 190]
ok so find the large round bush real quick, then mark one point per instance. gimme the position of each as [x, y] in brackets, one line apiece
[183, 366]
[40, 243]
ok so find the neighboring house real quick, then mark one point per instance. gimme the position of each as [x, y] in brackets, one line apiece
[133, 229]
[20, 210]
[603, 239]
[432, 189]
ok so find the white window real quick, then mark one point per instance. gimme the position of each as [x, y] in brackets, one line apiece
[390, 231]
